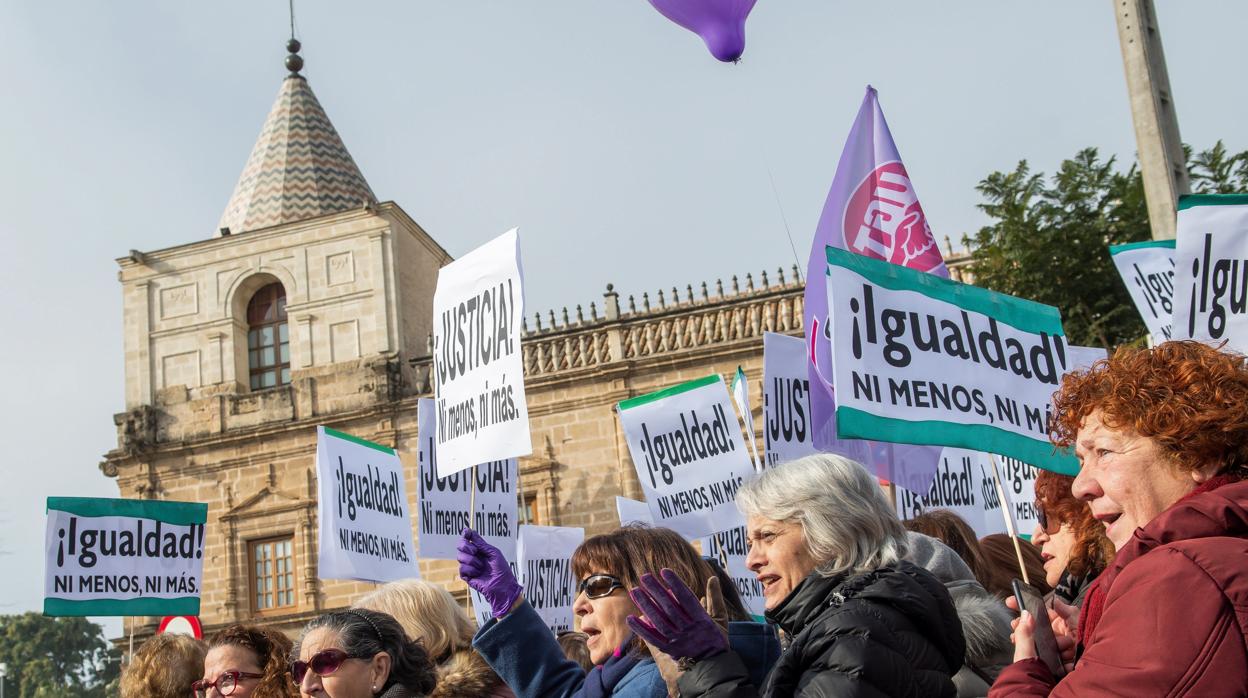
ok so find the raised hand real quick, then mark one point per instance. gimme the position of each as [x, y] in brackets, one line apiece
[485, 569]
[674, 620]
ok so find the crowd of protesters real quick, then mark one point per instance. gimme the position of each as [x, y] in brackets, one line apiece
[1141, 558]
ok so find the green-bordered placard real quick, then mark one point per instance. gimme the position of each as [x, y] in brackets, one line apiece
[357, 440]
[178, 513]
[1023, 315]
[855, 423]
[1116, 249]
[1193, 200]
[1020, 313]
[123, 557]
[668, 392]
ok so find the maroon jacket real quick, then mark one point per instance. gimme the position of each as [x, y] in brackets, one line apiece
[1175, 617]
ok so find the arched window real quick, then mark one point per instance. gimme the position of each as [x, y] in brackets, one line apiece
[268, 339]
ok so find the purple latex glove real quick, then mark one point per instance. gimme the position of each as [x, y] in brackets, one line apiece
[675, 621]
[485, 569]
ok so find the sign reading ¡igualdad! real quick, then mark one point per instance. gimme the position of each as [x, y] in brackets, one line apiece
[123, 557]
[1147, 269]
[478, 372]
[362, 511]
[686, 445]
[1211, 262]
[924, 360]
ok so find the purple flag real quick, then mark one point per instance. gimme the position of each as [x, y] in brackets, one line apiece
[872, 209]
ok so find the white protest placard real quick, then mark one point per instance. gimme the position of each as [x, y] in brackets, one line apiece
[925, 360]
[1211, 256]
[1147, 269]
[686, 445]
[123, 557]
[478, 370]
[545, 555]
[362, 511]
[633, 511]
[786, 399]
[964, 486]
[729, 549]
[443, 502]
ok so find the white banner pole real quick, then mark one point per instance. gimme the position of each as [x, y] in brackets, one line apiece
[1009, 518]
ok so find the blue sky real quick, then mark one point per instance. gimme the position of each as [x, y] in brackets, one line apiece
[624, 152]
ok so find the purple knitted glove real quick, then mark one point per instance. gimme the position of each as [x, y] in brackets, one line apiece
[675, 621]
[485, 569]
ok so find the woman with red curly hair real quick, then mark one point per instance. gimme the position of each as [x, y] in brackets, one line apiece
[1072, 543]
[1162, 441]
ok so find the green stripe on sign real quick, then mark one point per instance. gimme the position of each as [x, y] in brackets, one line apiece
[1020, 313]
[184, 606]
[668, 392]
[1115, 249]
[177, 513]
[1193, 200]
[357, 440]
[858, 424]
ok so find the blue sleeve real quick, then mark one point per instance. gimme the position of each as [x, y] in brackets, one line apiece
[524, 653]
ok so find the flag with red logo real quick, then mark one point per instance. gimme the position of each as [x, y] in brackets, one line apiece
[872, 209]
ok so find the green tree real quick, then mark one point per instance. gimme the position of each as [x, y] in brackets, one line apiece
[55, 657]
[1048, 241]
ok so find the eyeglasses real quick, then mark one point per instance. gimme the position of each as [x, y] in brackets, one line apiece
[322, 663]
[1043, 519]
[597, 586]
[225, 683]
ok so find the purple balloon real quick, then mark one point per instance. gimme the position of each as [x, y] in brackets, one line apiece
[720, 23]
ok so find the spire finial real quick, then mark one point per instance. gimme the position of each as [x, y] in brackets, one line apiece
[294, 62]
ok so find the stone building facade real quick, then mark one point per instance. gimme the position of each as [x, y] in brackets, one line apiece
[313, 306]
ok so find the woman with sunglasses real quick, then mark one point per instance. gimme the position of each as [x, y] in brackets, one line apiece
[523, 651]
[1071, 541]
[360, 654]
[246, 662]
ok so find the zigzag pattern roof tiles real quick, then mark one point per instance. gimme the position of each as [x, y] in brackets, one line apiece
[298, 169]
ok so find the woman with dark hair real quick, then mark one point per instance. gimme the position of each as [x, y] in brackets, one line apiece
[519, 646]
[1072, 543]
[245, 661]
[1161, 436]
[952, 530]
[1001, 558]
[360, 653]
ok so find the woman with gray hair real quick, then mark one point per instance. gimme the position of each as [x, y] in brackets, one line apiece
[828, 550]
[360, 653]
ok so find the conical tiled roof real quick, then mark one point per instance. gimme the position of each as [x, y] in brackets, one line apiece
[298, 169]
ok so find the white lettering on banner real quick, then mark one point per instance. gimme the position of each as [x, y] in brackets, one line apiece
[932, 361]
[444, 501]
[786, 399]
[112, 557]
[1147, 269]
[478, 370]
[362, 513]
[1211, 256]
[545, 554]
[687, 447]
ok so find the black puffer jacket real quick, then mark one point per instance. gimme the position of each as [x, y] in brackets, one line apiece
[889, 632]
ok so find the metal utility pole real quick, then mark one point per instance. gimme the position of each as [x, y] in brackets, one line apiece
[1162, 164]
